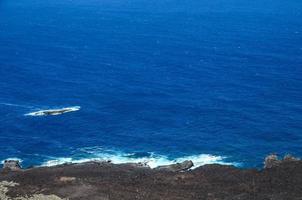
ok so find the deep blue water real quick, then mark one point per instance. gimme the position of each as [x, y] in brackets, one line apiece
[164, 79]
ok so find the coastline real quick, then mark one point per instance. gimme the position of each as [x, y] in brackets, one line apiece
[153, 160]
[280, 179]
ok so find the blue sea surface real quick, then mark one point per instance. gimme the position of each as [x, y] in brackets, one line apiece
[215, 81]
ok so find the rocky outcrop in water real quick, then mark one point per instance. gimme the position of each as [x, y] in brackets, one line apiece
[273, 160]
[54, 111]
[13, 165]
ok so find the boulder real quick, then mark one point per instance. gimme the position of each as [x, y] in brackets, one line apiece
[290, 158]
[273, 161]
[13, 165]
[177, 167]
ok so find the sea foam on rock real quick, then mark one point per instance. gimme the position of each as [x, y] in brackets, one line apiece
[13, 165]
[273, 160]
[151, 161]
[54, 111]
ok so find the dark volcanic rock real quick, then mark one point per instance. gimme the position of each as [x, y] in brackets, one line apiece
[273, 160]
[290, 158]
[177, 167]
[95, 181]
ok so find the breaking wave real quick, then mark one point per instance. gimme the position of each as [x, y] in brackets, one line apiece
[17, 159]
[150, 159]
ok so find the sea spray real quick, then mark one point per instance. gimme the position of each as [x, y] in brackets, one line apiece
[152, 161]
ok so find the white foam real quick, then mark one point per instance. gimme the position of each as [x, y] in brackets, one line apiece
[152, 161]
[17, 159]
[58, 111]
[60, 161]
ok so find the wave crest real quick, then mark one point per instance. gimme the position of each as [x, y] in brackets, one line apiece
[153, 160]
[14, 158]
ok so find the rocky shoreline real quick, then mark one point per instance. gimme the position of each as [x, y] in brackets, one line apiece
[279, 180]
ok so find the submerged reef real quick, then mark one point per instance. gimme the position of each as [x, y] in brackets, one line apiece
[54, 111]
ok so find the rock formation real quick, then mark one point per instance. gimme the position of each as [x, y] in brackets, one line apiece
[177, 167]
[13, 165]
[54, 111]
[273, 160]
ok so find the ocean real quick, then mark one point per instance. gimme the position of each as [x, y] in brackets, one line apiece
[158, 81]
